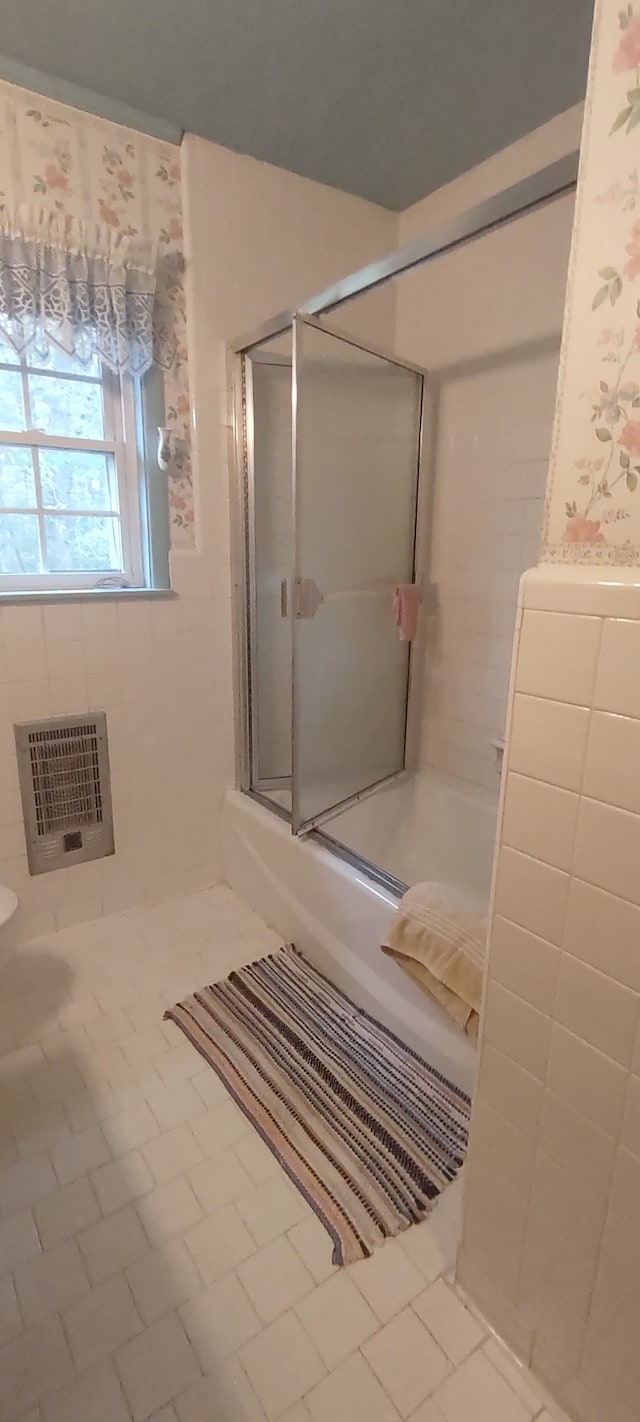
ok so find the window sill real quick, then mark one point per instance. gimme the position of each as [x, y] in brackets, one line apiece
[85, 595]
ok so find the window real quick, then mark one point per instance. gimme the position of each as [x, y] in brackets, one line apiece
[70, 492]
[82, 500]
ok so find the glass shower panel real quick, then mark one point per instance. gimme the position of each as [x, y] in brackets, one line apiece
[357, 446]
[268, 375]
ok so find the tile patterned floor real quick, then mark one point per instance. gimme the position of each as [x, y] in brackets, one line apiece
[155, 1262]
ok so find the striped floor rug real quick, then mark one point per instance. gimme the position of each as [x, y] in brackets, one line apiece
[367, 1130]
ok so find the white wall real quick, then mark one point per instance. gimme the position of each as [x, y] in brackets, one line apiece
[261, 240]
[550, 1247]
[485, 321]
[544, 145]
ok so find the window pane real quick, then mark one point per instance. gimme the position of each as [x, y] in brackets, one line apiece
[58, 361]
[8, 353]
[66, 407]
[78, 479]
[11, 404]
[17, 488]
[19, 544]
[81, 545]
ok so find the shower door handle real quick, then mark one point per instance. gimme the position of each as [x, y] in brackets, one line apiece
[308, 598]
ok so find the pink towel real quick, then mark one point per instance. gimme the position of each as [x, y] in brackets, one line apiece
[406, 603]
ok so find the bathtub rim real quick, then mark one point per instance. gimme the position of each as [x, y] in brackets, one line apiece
[374, 872]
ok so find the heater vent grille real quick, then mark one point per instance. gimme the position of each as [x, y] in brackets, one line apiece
[66, 798]
[65, 771]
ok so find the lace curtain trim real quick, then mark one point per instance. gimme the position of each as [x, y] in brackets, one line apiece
[83, 289]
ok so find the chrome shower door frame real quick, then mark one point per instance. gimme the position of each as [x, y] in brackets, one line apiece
[548, 184]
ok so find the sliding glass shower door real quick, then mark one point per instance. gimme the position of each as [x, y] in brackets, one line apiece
[356, 438]
[331, 456]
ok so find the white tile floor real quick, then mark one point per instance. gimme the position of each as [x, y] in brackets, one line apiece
[155, 1262]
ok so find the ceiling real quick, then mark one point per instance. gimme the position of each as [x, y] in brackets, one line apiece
[384, 98]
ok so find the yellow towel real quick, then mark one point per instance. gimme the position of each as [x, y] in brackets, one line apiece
[438, 937]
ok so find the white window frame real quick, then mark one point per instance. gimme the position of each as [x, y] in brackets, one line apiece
[120, 426]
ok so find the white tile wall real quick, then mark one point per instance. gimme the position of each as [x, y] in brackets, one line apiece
[493, 362]
[559, 1082]
[540, 820]
[486, 515]
[549, 739]
[161, 671]
[492, 366]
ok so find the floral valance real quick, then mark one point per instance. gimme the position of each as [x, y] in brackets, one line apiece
[80, 288]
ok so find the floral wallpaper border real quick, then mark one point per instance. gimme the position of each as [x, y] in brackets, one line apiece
[593, 498]
[83, 166]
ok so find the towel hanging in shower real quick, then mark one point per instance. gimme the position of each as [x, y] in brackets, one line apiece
[406, 602]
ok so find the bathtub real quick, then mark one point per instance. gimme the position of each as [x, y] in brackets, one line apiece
[424, 827]
[338, 917]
